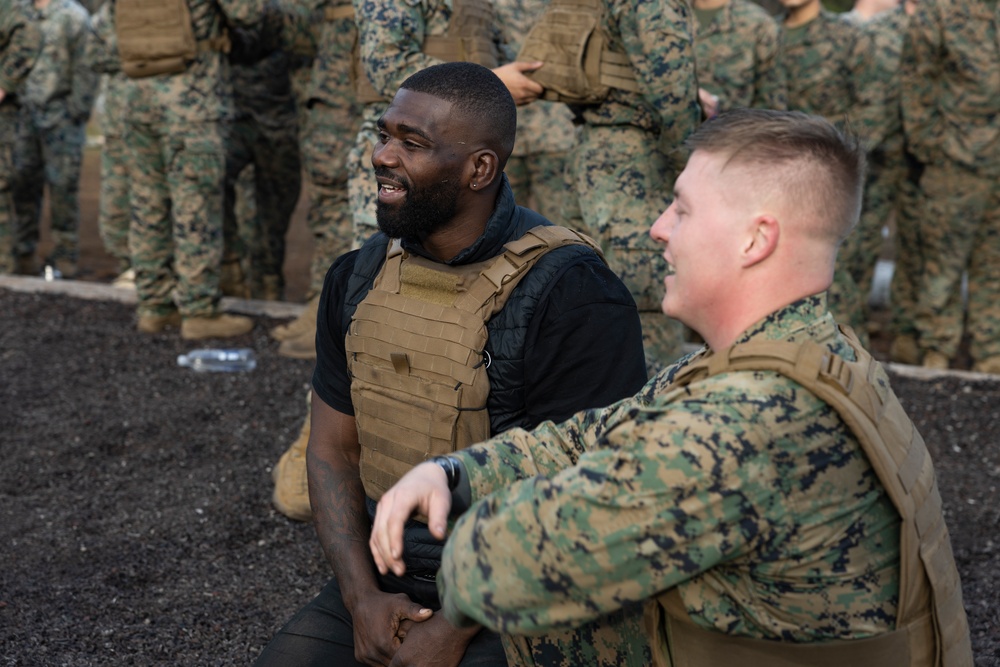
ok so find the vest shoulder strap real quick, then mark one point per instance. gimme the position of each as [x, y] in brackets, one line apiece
[499, 277]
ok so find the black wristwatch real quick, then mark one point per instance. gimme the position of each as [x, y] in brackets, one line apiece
[452, 469]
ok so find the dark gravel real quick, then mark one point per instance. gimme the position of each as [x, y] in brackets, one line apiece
[135, 522]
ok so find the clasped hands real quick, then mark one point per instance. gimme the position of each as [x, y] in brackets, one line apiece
[421, 491]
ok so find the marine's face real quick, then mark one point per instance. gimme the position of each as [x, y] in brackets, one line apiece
[699, 241]
[417, 165]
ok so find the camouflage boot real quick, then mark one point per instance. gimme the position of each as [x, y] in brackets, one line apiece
[291, 486]
[231, 279]
[905, 350]
[989, 365]
[936, 360]
[152, 324]
[304, 322]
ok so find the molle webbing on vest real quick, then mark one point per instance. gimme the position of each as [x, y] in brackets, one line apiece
[339, 12]
[579, 68]
[469, 39]
[156, 37]
[931, 628]
[416, 353]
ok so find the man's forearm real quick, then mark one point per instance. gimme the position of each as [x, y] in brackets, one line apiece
[343, 526]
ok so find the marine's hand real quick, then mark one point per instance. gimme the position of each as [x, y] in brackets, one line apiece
[709, 103]
[521, 88]
[377, 620]
[433, 643]
[423, 490]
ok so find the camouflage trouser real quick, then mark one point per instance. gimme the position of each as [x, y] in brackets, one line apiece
[49, 151]
[8, 124]
[175, 237]
[862, 248]
[960, 231]
[616, 640]
[259, 239]
[909, 262]
[330, 135]
[622, 182]
[539, 183]
[113, 210]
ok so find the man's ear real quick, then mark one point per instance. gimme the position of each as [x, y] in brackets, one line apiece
[761, 241]
[485, 169]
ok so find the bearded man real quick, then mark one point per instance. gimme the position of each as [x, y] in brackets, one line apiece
[466, 315]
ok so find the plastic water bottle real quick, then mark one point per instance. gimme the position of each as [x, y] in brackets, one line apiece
[215, 360]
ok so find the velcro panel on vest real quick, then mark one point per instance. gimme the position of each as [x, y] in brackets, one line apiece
[930, 612]
[339, 12]
[154, 37]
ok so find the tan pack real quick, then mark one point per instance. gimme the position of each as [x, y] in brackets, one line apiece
[580, 68]
[157, 37]
[931, 627]
[416, 350]
[469, 39]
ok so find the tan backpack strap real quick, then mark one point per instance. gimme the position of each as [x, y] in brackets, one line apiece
[338, 12]
[388, 277]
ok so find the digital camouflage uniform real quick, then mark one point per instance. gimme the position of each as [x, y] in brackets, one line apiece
[177, 162]
[333, 118]
[113, 209]
[391, 33]
[263, 138]
[830, 71]
[20, 43]
[56, 102]
[887, 168]
[951, 109]
[737, 57]
[745, 491]
[301, 35]
[545, 131]
[623, 168]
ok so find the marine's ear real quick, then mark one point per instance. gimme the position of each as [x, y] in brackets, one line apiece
[762, 240]
[485, 168]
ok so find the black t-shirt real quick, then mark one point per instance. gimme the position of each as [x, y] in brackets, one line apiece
[582, 349]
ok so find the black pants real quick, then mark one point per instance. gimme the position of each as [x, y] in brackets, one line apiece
[321, 634]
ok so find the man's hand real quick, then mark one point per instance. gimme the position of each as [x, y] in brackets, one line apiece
[377, 626]
[521, 88]
[423, 490]
[709, 103]
[434, 643]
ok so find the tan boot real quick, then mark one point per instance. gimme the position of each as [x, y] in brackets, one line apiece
[291, 485]
[989, 365]
[302, 346]
[216, 326]
[936, 360]
[271, 288]
[904, 350]
[304, 322]
[152, 324]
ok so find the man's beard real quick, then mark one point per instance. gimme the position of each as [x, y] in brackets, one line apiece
[422, 212]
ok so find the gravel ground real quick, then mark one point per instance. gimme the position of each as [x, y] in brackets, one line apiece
[135, 523]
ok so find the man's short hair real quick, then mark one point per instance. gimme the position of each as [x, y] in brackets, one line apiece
[476, 92]
[802, 156]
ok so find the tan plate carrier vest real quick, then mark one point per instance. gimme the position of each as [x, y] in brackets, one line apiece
[579, 68]
[156, 37]
[469, 39]
[931, 628]
[416, 353]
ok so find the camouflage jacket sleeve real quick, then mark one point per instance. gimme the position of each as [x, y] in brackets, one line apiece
[85, 79]
[391, 33]
[243, 13]
[20, 42]
[919, 70]
[770, 89]
[658, 37]
[870, 113]
[101, 54]
[603, 511]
